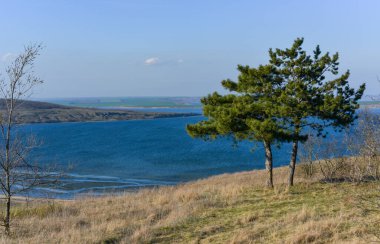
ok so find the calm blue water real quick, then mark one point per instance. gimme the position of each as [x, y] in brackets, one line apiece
[102, 157]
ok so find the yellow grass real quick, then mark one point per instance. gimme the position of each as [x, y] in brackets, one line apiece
[230, 208]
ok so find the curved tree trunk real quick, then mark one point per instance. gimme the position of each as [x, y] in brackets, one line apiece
[268, 163]
[292, 164]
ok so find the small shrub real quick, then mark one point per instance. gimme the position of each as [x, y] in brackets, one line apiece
[334, 165]
[333, 169]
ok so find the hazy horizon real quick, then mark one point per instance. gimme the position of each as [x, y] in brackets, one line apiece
[367, 98]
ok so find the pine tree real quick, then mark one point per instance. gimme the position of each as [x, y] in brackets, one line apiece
[247, 113]
[284, 100]
[307, 99]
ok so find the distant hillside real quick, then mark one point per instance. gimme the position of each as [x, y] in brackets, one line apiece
[44, 112]
[96, 102]
[370, 104]
[33, 105]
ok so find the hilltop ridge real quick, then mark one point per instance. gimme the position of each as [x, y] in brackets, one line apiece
[45, 112]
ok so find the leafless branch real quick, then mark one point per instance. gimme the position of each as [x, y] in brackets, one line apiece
[18, 173]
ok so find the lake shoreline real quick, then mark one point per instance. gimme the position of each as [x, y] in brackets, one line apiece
[179, 115]
[32, 112]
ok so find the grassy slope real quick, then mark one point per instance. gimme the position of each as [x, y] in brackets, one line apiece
[232, 208]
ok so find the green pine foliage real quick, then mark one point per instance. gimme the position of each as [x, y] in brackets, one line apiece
[248, 113]
[308, 99]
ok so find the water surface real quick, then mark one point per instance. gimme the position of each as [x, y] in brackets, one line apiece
[101, 157]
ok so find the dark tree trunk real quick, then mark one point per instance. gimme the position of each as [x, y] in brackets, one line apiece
[7, 217]
[292, 164]
[7, 172]
[268, 163]
[8, 203]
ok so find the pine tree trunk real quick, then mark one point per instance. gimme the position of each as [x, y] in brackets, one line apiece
[268, 163]
[292, 164]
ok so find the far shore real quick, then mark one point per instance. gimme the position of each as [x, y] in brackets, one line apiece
[370, 106]
[30, 112]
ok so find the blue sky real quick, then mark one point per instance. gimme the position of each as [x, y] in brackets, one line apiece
[180, 48]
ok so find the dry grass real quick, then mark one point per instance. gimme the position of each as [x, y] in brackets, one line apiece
[230, 208]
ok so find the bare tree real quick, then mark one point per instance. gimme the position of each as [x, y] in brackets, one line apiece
[17, 172]
[364, 141]
[309, 156]
[332, 163]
